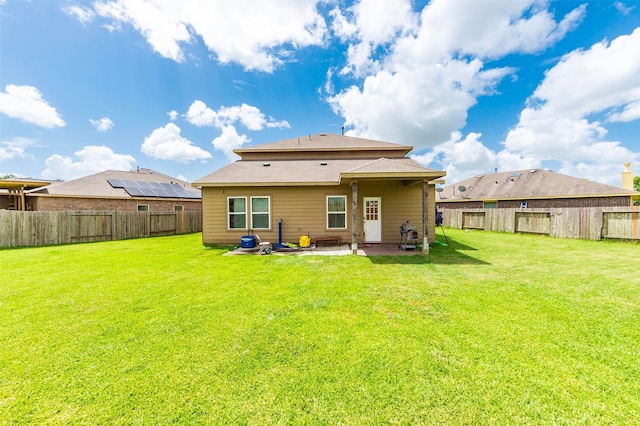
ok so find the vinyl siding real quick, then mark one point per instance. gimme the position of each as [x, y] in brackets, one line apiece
[323, 155]
[303, 211]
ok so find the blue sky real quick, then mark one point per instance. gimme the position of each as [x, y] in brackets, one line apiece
[175, 86]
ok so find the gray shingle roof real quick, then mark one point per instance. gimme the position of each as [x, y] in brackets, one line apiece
[325, 142]
[390, 165]
[527, 184]
[96, 185]
[310, 172]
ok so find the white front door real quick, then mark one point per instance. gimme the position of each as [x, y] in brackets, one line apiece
[372, 220]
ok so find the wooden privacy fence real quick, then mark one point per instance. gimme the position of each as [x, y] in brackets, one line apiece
[589, 223]
[28, 229]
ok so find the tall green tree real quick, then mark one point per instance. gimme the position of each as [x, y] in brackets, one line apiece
[636, 186]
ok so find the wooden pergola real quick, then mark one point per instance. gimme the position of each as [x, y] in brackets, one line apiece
[16, 187]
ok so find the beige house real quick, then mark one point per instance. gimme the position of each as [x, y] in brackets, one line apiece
[116, 190]
[323, 186]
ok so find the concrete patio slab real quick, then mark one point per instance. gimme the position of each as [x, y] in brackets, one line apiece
[342, 250]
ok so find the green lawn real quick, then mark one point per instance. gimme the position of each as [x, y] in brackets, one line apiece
[492, 329]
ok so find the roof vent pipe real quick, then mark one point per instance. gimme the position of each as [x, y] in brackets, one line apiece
[342, 130]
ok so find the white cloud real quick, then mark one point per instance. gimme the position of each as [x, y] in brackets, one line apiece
[173, 115]
[103, 124]
[166, 143]
[508, 160]
[158, 22]
[250, 117]
[608, 172]
[607, 76]
[259, 35]
[83, 14]
[425, 75]
[630, 112]
[420, 105]
[199, 114]
[372, 23]
[430, 70]
[90, 159]
[560, 122]
[230, 140]
[489, 29]
[26, 103]
[622, 8]
[460, 158]
[342, 27]
[14, 148]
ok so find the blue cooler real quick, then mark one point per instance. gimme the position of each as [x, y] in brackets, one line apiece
[248, 241]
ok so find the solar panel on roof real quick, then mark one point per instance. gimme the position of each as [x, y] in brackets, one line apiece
[115, 183]
[133, 191]
[137, 188]
[148, 192]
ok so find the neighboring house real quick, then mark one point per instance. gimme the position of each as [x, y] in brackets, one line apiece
[533, 188]
[324, 185]
[114, 190]
[13, 190]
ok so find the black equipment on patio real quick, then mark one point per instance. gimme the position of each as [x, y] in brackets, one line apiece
[408, 236]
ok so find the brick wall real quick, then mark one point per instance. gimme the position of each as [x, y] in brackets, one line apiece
[567, 203]
[544, 203]
[460, 205]
[109, 204]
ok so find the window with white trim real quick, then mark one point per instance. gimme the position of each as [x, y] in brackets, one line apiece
[260, 213]
[336, 212]
[237, 212]
[143, 207]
